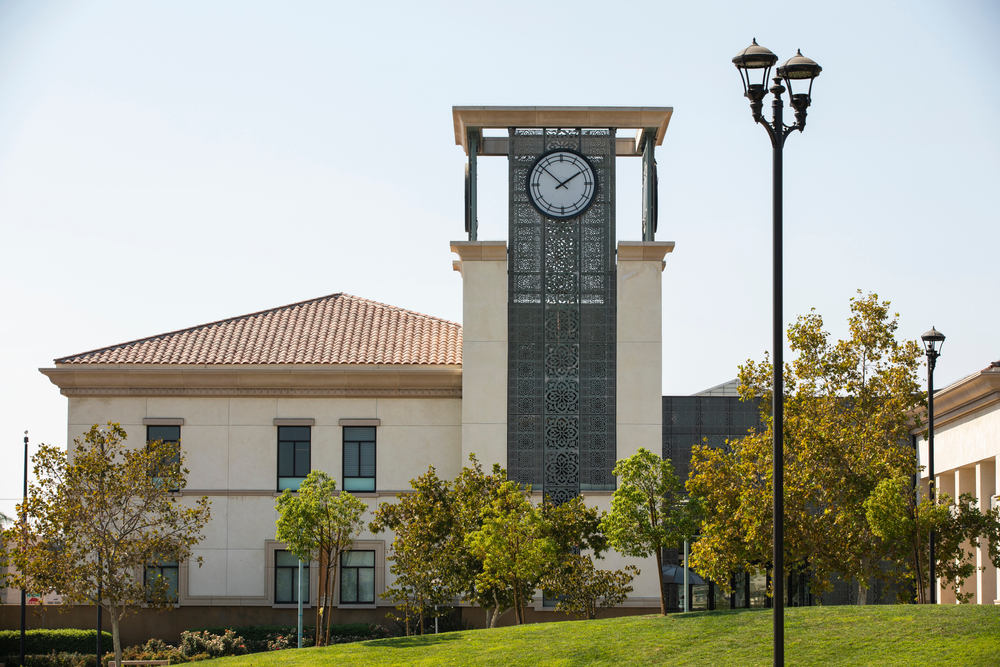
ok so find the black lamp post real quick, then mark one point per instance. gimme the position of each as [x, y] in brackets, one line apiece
[24, 527]
[933, 342]
[799, 69]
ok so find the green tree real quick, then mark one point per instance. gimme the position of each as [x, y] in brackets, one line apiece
[512, 547]
[579, 587]
[474, 488]
[582, 589]
[846, 428]
[573, 526]
[426, 547]
[649, 510]
[318, 523]
[98, 515]
[904, 525]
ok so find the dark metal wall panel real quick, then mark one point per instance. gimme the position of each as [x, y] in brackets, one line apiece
[562, 312]
[691, 420]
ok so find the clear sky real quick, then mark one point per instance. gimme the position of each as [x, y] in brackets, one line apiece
[165, 164]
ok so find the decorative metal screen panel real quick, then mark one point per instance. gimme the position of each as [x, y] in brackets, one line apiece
[562, 325]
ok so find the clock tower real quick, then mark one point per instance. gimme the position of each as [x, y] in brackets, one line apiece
[562, 340]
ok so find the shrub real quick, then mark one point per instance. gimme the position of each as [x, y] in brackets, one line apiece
[45, 642]
[55, 659]
[154, 649]
[228, 643]
[258, 636]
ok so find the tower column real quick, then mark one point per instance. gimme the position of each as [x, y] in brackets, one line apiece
[640, 344]
[986, 578]
[483, 265]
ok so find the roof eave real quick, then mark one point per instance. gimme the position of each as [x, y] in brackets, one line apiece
[341, 380]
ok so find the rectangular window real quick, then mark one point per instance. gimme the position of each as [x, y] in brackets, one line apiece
[161, 574]
[293, 456]
[169, 435]
[357, 577]
[359, 458]
[286, 578]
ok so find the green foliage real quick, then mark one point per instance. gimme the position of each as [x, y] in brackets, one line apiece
[430, 555]
[196, 643]
[480, 539]
[426, 551]
[256, 637]
[97, 515]
[511, 546]
[846, 428]
[155, 649]
[573, 526]
[582, 589]
[649, 511]
[474, 488]
[904, 526]
[317, 522]
[66, 640]
[54, 659]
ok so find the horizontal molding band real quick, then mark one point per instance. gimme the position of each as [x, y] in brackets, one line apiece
[294, 421]
[163, 421]
[271, 492]
[358, 494]
[347, 421]
[266, 392]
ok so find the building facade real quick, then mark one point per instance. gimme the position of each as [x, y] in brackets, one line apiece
[554, 374]
[966, 460]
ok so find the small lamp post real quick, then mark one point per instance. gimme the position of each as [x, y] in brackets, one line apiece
[751, 61]
[933, 342]
[24, 528]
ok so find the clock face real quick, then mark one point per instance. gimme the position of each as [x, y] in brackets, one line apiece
[562, 184]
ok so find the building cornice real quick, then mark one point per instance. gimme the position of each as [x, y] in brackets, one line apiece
[444, 381]
[966, 396]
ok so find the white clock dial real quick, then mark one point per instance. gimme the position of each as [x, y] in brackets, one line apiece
[562, 184]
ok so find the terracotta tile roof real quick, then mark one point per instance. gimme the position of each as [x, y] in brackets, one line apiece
[334, 329]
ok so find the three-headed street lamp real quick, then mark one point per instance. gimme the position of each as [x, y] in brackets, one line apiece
[802, 71]
[933, 342]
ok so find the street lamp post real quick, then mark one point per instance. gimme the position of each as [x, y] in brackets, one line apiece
[24, 529]
[933, 342]
[799, 69]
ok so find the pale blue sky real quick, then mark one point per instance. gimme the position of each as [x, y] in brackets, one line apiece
[165, 164]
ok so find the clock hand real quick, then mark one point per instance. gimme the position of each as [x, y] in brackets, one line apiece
[554, 177]
[563, 184]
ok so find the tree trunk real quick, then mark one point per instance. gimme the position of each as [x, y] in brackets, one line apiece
[496, 611]
[116, 636]
[517, 604]
[659, 580]
[330, 584]
[320, 593]
[920, 576]
[863, 583]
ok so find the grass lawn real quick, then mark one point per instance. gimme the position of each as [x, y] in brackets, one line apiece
[875, 635]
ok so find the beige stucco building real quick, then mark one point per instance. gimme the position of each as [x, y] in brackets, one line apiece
[430, 391]
[967, 460]
[373, 394]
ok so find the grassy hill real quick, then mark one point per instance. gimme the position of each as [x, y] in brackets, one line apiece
[882, 635]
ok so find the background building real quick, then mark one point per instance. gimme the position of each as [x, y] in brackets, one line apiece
[966, 460]
[555, 375]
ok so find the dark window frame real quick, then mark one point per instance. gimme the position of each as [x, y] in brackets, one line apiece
[295, 579]
[357, 578]
[176, 460]
[159, 567]
[294, 442]
[343, 458]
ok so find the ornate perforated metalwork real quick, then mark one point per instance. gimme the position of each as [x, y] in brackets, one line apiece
[562, 323]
